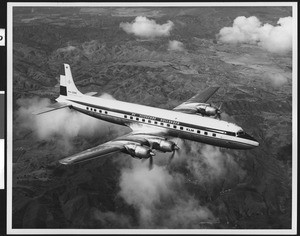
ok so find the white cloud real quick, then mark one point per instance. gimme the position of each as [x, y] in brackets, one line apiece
[160, 198]
[146, 28]
[250, 30]
[62, 125]
[276, 79]
[175, 45]
[66, 49]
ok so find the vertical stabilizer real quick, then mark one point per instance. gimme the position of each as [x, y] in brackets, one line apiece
[67, 85]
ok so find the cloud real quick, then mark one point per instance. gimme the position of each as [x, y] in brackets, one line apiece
[277, 39]
[208, 165]
[160, 198]
[66, 49]
[276, 79]
[175, 45]
[62, 125]
[107, 96]
[111, 219]
[146, 28]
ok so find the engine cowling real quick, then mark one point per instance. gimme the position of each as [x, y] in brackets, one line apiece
[167, 146]
[139, 151]
[207, 110]
[163, 145]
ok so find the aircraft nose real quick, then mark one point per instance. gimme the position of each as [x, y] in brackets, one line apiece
[255, 142]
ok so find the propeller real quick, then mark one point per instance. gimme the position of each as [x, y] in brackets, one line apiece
[176, 149]
[150, 163]
[218, 112]
[151, 160]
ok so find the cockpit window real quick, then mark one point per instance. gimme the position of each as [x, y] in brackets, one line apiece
[240, 132]
[244, 135]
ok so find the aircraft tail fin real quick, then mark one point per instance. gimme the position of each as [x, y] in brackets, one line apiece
[67, 85]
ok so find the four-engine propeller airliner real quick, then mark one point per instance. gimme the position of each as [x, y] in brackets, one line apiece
[151, 127]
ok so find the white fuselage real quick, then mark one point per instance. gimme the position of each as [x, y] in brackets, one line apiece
[176, 124]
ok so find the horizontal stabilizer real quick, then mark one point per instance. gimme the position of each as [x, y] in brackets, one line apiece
[91, 93]
[51, 107]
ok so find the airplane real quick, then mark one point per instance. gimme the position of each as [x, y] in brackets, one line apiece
[151, 127]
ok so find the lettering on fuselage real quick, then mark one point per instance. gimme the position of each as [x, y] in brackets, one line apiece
[170, 121]
[188, 129]
[155, 118]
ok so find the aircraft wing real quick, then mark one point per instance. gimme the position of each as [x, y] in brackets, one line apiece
[120, 144]
[201, 97]
[92, 153]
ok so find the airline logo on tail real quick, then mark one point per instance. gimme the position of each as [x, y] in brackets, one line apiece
[67, 85]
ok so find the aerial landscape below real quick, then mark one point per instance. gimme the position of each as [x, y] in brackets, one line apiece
[159, 57]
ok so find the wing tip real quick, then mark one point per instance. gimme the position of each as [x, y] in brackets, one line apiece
[65, 162]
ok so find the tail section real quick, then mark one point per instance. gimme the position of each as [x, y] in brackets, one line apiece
[67, 88]
[67, 85]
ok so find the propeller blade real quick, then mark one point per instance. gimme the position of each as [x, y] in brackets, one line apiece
[219, 108]
[171, 157]
[218, 115]
[218, 111]
[150, 162]
[176, 150]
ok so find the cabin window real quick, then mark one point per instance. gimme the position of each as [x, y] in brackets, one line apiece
[149, 121]
[125, 116]
[87, 108]
[168, 125]
[181, 128]
[155, 122]
[137, 118]
[95, 110]
[131, 117]
[198, 131]
[205, 133]
[143, 120]
[100, 111]
[105, 112]
[214, 134]
[174, 126]
[161, 123]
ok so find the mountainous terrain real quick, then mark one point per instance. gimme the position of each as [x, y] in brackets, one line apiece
[205, 186]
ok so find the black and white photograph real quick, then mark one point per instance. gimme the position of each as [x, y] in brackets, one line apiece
[152, 118]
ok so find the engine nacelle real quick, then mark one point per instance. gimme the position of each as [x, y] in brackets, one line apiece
[163, 145]
[207, 110]
[167, 146]
[139, 151]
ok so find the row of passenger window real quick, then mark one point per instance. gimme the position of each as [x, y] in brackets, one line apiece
[150, 121]
[168, 125]
[95, 110]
